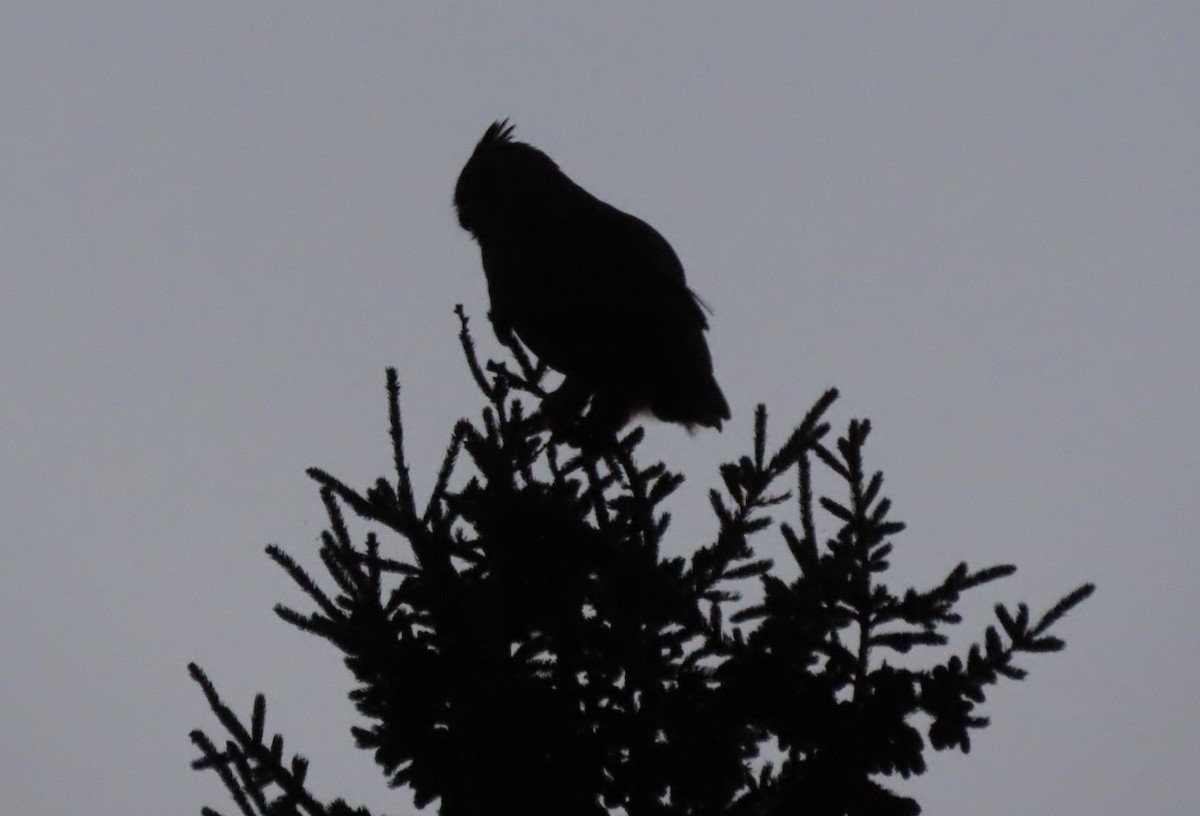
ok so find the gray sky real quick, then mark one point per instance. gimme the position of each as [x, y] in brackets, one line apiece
[220, 222]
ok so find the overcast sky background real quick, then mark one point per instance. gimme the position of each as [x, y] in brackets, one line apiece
[220, 222]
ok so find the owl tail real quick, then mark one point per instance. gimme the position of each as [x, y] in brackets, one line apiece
[692, 402]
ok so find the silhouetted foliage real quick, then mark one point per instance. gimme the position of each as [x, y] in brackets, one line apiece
[520, 644]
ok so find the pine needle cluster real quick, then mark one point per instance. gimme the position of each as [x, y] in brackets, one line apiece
[521, 645]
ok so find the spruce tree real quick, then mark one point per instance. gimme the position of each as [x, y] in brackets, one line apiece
[521, 645]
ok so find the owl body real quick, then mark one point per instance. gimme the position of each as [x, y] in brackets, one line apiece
[596, 293]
